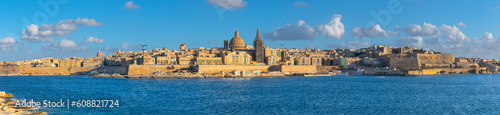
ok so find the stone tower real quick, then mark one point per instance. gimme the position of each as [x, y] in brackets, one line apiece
[226, 45]
[183, 47]
[258, 44]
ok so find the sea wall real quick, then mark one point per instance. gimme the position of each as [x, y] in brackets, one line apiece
[151, 69]
[326, 69]
[55, 70]
[404, 63]
[230, 68]
[9, 70]
[438, 71]
[123, 70]
[298, 69]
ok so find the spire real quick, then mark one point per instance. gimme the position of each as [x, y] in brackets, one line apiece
[258, 34]
[99, 53]
[236, 34]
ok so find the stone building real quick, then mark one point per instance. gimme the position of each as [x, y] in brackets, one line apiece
[237, 42]
[183, 47]
[236, 58]
[94, 62]
[71, 62]
[161, 60]
[258, 44]
[209, 61]
[302, 60]
[184, 59]
[316, 61]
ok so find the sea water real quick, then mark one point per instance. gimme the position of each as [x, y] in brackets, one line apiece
[446, 94]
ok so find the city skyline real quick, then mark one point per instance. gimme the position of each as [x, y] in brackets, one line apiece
[65, 28]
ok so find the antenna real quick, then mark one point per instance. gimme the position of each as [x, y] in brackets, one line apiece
[144, 49]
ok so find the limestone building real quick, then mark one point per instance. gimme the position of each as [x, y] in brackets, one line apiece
[183, 47]
[236, 58]
[237, 42]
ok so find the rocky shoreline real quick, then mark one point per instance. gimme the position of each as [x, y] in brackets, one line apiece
[7, 106]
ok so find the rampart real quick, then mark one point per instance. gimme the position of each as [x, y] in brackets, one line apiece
[298, 69]
[123, 70]
[435, 59]
[151, 69]
[229, 68]
[55, 70]
[438, 71]
[9, 70]
[404, 63]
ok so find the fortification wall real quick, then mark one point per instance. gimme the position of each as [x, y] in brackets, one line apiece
[404, 63]
[298, 69]
[123, 70]
[435, 59]
[151, 69]
[228, 68]
[55, 70]
[9, 70]
[326, 69]
[438, 71]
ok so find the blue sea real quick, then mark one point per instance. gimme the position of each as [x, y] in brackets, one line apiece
[446, 94]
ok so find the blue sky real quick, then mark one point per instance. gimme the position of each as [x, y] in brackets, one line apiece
[109, 25]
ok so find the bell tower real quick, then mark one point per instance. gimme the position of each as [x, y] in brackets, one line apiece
[258, 44]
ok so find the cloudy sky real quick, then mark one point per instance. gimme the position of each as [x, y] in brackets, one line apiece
[67, 28]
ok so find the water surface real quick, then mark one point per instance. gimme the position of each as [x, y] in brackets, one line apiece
[450, 94]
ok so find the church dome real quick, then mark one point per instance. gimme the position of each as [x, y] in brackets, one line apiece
[237, 42]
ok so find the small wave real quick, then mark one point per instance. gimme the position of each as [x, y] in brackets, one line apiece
[236, 79]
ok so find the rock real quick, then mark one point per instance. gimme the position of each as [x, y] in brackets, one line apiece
[23, 113]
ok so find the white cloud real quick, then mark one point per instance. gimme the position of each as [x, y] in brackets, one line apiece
[309, 46]
[349, 45]
[392, 33]
[426, 30]
[488, 37]
[44, 33]
[228, 4]
[109, 49]
[65, 46]
[131, 5]
[416, 41]
[455, 42]
[124, 45]
[7, 44]
[334, 29]
[300, 4]
[461, 24]
[130, 47]
[453, 35]
[397, 28]
[212, 42]
[297, 31]
[91, 39]
[374, 31]
[7, 40]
